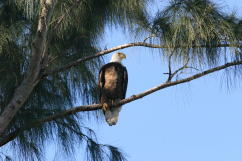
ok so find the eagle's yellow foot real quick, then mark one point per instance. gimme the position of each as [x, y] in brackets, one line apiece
[105, 107]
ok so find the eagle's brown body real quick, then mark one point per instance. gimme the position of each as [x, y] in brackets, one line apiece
[113, 80]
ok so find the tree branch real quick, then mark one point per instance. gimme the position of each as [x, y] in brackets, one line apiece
[171, 75]
[31, 79]
[5, 139]
[94, 107]
[149, 37]
[107, 51]
[104, 52]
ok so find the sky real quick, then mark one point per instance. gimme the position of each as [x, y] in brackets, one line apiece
[196, 121]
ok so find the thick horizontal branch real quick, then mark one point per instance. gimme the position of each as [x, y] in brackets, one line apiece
[135, 44]
[104, 52]
[169, 84]
[94, 107]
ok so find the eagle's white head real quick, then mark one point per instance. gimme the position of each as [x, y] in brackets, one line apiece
[118, 57]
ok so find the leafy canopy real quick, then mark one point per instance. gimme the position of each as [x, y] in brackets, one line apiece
[190, 29]
[74, 32]
[195, 30]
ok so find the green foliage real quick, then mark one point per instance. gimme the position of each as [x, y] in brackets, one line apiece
[236, 24]
[191, 29]
[107, 152]
[74, 32]
[29, 7]
[12, 60]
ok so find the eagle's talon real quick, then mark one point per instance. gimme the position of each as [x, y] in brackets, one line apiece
[105, 107]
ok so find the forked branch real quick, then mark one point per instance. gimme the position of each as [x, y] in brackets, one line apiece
[93, 107]
[172, 74]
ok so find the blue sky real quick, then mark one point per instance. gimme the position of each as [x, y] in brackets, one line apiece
[196, 121]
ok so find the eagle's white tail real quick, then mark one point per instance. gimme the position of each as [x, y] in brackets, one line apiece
[111, 115]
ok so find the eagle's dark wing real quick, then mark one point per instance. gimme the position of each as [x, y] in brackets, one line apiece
[112, 82]
[125, 81]
[101, 81]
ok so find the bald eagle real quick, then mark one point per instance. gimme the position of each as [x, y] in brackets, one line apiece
[113, 80]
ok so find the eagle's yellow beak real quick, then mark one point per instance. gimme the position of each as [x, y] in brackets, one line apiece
[122, 55]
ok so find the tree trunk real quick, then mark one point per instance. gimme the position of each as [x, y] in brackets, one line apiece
[32, 77]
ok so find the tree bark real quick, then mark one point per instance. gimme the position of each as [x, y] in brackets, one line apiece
[32, 78]
[94, 107]
[141, 95]
[137, 44]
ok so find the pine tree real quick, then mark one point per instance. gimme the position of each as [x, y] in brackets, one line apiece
[50, 57]
[39, 36]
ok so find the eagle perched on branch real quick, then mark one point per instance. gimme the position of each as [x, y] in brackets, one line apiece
[113, 81]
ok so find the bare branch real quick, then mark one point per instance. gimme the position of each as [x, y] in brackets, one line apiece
[104, 52]
[138, 96]
[169, 68]
[94, 107]
[189, 67]
[149, 37]
[107, 51]
[5, 139]
[171, 75]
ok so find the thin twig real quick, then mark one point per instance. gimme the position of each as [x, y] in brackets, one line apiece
[171, 75]
[151, 36]
[188, 67]
[169, 68]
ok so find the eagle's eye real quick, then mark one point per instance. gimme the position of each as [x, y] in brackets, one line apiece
[122, 55]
